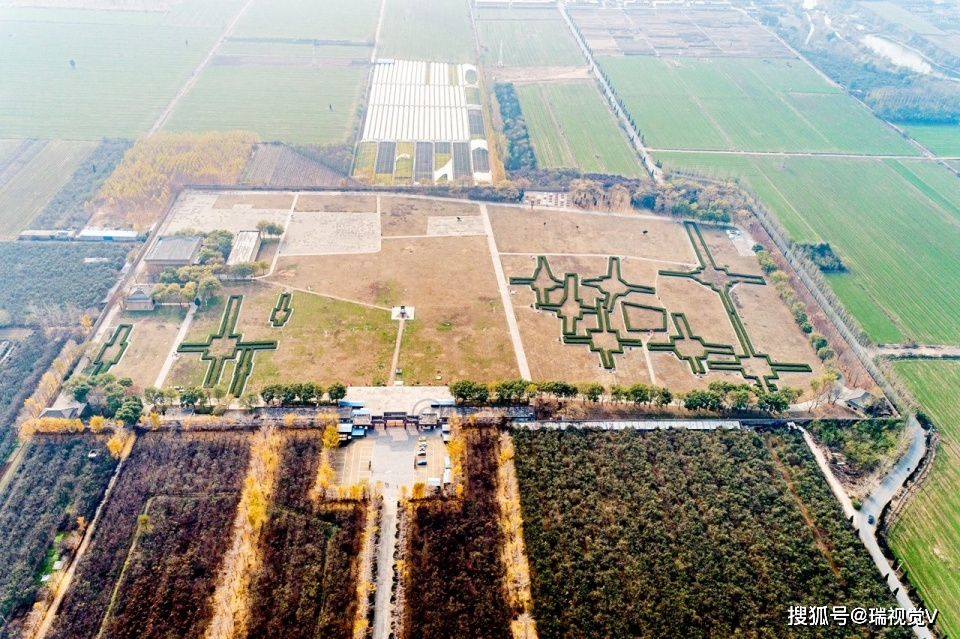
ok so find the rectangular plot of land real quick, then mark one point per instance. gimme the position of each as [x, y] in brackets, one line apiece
[326, 233]
[461, 161]
[481, 160]
[386, 154]
[476, 122]
[453, 225]
[423, 162]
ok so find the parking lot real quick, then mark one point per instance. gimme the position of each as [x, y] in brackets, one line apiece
[390, 456]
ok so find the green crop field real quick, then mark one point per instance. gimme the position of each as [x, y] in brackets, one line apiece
[941, 140]
[436, 30]
[896, 225]
[339, 20]
[299, 49]
[571, 126]
[302, 106]
[926, 536]
[530, 38]
[23, 197]
[128, 66]
[746, 105]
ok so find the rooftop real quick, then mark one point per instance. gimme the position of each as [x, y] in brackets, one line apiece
[245, 246]
[175, 248]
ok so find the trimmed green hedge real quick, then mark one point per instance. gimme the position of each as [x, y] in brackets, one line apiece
[282, 307]
[121, 333]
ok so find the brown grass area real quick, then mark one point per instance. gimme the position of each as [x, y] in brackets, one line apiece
[544, 231]
[149, 343]
[702, 306]
[314, 202]
[459, 330]
[408, 216]
[255, 200]
[725, 254]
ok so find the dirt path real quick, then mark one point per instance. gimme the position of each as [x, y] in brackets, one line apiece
[522, 364]
[787, 154]
[197, 72]
[902, 351]
[396, 354]
[172, 355]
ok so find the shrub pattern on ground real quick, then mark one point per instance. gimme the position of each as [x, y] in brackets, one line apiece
[281, 312]
[586, 314]
[685, 534]
[242, 352]
[120, 335]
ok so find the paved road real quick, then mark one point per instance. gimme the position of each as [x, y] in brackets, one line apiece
[388, 531]
[172, 355]
[874, 505]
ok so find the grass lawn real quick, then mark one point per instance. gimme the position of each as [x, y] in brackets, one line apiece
[926, 537]
[747, 105]
[942, 140]
[437, 30]
[896, 225]
[299, 49]
[28, 192]
[571, 126]
[530, 37]
[129, 65]
[301, 106]
[352, 20]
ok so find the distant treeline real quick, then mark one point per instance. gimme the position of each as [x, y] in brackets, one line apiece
[520, 155]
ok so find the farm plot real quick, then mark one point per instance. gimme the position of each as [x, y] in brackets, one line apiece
[941, 140]
[571, 127]
[24, 196]
[302, 106]
[56, 482]
[693, 31]
[127, 67]
[278, 165]
[332, 20]
[528, 37]
[460, 328]
[154, 576]
[427, 30]
[454, 546]
[307, 583]
[926, 535]
[745, 105]
[662, 558]
[901, 282]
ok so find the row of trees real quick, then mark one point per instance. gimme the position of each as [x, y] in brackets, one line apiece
[519, 148]
[719, 397]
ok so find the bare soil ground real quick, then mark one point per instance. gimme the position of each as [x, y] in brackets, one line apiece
[538, 75]
[344, 203]
[254, 200]
[410, 216]
[702, 306]
[149, 343]
[550, 231]
[459, 331]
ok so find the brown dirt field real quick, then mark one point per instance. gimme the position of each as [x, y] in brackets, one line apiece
[267, 251]
[149, 343]
[460, 329]
[408, 216]
[549, 231]
[537, 75]
[725, 253]
[256, 200]
[702, 306]
[314, 202]
[771, 326]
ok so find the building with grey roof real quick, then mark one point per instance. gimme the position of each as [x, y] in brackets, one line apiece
[174, 251]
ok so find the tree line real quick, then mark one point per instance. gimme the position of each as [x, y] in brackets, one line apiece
[719, 397]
